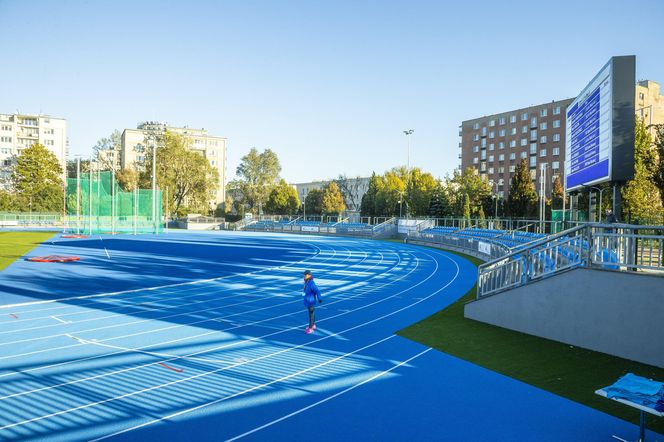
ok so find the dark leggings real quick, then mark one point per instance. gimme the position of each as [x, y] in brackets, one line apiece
[312, 316]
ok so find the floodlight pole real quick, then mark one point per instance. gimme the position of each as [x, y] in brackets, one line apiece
[407, 133]
[90, 196]
[113, 198]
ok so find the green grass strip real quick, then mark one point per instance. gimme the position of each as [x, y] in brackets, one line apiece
[13, 245]
[571, 372]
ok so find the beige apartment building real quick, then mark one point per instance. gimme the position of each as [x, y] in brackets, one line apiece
[649, 103]
[134, 148]
[20, 131]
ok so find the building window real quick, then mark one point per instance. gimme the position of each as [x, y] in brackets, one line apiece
[483, 167]
[491, 170]
[556, 110]
[476, 137]
[483, 155]
[524, 116]
[6, 139]
[512, 169]
[543, 152]
[501, 169]
[492, 134]
[533, 161]
[6, 128]
[513, 156]
[49, 131]
[476, 149]
[6, 150]
[555, 165]
[524, 142]
[502, 120]
[483, 142]
[641, 96]
[524, 129]
[556, 124]
[7, 163]
[543, 112]
[533, 148]
[533, 134]
[476, 160]
[513, 131]
[556, 150]
[501, 157]
[491, 159]
[512, 118]
[543, 139]
[213, 163]
[501, 145]
[492, 123]
[49, 142]
[543, 125]
[513, 143]
[533, 122]
[523, 155]
[501, 132]
[476, 126]
[491, 146]
[533, 174]
[556, 137]
[484, 131]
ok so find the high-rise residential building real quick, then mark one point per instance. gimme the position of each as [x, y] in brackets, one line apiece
[649, 103]
[20, 131]
[495, 144]
[134, 148]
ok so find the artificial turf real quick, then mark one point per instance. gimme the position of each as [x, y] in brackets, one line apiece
[14, 245]
[568, 371]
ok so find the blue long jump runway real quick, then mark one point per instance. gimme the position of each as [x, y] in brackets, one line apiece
[200, 337]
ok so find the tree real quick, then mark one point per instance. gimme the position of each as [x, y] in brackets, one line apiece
[390, 198]
[350, 189]
[7, 201]
[258, 173]
[522, 199]
[470, 183]
[107, 151]
[333, 201]
[314, 202]
[659, 169]
[283, 200]
[482, 218]
[466, 210]
[190, 179]
[421, 186]
[642, 199]
[127, 179]
[368, 205]
[557, 194]
[37, 180]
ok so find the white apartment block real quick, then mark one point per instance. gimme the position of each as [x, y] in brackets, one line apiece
[354, 190]
[19, 131]
[134, 149]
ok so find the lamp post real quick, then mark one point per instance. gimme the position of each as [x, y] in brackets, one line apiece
[407, 133]
[590, 197]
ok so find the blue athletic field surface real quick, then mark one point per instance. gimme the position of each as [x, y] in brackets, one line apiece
[200, 336]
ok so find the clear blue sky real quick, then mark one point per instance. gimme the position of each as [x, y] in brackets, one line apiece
[328, 85]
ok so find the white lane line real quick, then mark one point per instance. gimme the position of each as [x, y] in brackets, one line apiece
[104, 246]
[229, 367]
[179, 284]
[60, 320]
[248, 390]
[322, 401]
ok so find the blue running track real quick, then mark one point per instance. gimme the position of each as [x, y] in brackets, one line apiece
[200, 336]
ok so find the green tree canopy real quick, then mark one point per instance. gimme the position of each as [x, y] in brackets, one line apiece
[283, 200]
[258, 173]
[185, 175]
[421, 186]
[333, 201]
[642, 200]
[37, 180]
[522, 200]
[557, 194]
[368, 205]
[314, 202]
[470, 183]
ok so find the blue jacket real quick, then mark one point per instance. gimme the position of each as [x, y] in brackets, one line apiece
[311, 293]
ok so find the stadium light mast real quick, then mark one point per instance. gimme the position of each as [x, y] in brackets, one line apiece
[78, 194]
[407, 133]
[154, 185]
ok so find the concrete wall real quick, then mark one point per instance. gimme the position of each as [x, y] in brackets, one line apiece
[618, 313]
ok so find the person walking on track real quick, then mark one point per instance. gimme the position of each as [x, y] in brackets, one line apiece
[311, 295]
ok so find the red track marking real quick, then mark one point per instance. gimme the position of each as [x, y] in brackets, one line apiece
[13, 316]
[177, 370]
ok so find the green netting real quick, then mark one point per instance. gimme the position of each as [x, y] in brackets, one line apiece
[97, 204]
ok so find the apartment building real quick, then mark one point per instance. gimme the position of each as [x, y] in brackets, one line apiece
[353, 190]
[134, 147]
[20, 131]
[495, 144]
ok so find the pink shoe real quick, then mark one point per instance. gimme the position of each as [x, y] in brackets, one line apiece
[308, 330]
[313, 327]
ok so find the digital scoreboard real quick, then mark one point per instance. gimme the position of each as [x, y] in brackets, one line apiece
[599, 142]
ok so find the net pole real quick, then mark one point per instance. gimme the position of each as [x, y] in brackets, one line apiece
[167, 209]
[113, 200]
[154, 185]
[78, 195]
[90, 196]
[134, 207]
[98, 195]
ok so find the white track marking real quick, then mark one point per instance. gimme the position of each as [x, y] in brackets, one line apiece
[60, 320]
[329, 398]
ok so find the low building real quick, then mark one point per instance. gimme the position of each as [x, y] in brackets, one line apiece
[353, 189]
